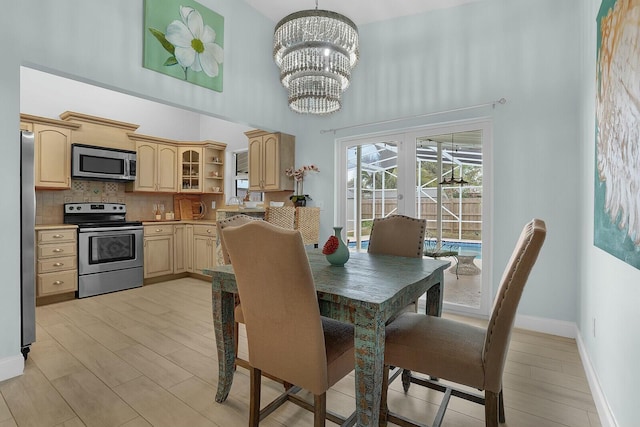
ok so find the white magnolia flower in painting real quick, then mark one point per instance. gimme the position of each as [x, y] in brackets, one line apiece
[194, 43]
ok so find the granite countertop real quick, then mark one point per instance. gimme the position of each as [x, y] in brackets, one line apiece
[178, 221]
[239, 209]
[54, 226]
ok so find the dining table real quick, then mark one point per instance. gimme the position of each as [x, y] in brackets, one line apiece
[368, 291]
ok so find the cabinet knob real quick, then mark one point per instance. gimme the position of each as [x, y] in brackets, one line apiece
[58, 250]
[158, 230]
[58, 264]
[58, 282]
[209, 230]
[58, 236]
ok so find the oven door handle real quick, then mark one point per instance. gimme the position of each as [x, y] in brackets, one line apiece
[101, 229]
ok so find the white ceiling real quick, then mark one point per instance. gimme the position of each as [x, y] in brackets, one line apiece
[359, 11]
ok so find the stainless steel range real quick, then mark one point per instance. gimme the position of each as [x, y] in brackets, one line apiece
[110, 248]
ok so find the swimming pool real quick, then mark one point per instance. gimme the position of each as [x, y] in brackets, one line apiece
[470, 247]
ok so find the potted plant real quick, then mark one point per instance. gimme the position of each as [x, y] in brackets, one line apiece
[299, 198]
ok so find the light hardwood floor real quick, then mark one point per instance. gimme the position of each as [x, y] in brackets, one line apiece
[147, 357]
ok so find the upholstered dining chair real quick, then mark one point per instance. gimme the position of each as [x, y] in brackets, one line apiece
[286, 335]
[459, 352]
[233, 221]
[398, 235]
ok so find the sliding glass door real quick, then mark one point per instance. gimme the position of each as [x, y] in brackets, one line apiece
[437, 173]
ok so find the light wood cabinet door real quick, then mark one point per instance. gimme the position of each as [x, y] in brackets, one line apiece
[255, 164]
[270, 154]
[189, 169]
[167, 168]
[188, 256]
[146, 166]
[52, 157]
[179, 249]
[156, 167]
[203, 253]
[158, 255]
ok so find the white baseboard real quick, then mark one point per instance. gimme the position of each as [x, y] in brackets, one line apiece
[602, 405]
[570, 330]
[11, 367]
[548, 326]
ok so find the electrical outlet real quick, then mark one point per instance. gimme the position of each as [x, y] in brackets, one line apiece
[213, 204]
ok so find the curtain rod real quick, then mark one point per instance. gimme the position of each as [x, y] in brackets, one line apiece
[486, 104]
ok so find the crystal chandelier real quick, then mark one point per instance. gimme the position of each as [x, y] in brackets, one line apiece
[315, 50]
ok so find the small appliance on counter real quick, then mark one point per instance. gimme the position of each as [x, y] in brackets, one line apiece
[110, 248]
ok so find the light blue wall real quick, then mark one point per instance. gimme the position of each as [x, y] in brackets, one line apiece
[609, 289]
[521, 50]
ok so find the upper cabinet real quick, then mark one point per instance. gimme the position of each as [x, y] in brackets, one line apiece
[190, 169]
[52, 151]
[270, 154]
[156, 167]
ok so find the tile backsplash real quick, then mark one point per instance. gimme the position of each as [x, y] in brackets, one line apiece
[49, 204]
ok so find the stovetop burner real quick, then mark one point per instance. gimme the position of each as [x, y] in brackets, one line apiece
[96, 215]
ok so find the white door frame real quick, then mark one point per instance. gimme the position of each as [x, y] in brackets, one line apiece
[406, 139]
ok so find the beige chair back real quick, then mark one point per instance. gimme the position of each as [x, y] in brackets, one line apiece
[233, 221]
[398, 235]
[506, 302]
[279, 302]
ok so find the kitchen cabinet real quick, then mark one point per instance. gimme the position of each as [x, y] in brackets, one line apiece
[204, 247]
[158, 250]
[156, 167]
[270, 154]
[189, 169]
[56, 261]
[179, 248]
[52, 151]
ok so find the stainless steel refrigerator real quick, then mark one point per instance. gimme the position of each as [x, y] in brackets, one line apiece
[27, 249]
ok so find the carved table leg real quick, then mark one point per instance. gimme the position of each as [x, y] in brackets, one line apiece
[223, 304]
[369, 354]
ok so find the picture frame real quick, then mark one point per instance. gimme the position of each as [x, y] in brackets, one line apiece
[185, 40]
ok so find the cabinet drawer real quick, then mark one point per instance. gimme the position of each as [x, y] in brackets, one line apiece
[51, 265]
[205, 230]
[54, 236]
[61, 250]
[158, 230]
[55, 283]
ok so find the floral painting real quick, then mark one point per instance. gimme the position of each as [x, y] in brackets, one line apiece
[185, 40]
[617, 172]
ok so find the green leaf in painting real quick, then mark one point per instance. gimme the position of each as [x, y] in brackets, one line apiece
[170, 61]
[163, 41]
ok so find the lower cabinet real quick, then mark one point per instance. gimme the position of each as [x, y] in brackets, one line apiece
[178, 248]
[204, 247]
[56, 262]
[158, 250]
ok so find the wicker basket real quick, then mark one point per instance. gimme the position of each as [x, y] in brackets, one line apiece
[308, 222]
[282, 217]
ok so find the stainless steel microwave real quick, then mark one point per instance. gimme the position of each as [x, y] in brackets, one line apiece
[101, 163]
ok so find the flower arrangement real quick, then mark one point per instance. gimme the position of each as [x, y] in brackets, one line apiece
[330, 246]
[298, 175]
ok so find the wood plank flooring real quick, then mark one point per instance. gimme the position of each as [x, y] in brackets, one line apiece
[147, 357]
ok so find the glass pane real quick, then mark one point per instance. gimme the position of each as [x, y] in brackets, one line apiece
[372, 175]
[112, 248]
[449, 197]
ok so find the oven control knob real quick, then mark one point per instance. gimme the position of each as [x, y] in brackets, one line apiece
[71, 208]
[79, 208]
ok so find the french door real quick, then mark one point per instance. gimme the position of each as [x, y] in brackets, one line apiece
[439, 173]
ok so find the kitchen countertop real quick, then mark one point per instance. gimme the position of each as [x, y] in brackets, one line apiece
[54, 226]
[237, 209]
[179, 221]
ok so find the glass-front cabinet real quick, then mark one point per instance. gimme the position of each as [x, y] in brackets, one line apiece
[190, 170]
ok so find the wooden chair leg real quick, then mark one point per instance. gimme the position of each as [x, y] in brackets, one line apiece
[491, 409]
[384, 409]
[501, 417]
[254, 399]
[319, 410]
[406, 379]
